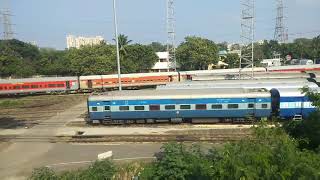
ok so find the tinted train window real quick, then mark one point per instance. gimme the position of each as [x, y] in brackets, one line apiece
[16, 87]
[139, 108]
[170, 107]
[233, 106]
[201, 106]
[25, 87]
[185, 107]
[52, 85]
[34, 86]
[60, 85]
[216, 106]
[94, 108]
[124, 108]
[154, 107]
[265, 106]
[107, 108]
[250, 106]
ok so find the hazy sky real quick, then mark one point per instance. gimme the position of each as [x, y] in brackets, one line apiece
[47, 22]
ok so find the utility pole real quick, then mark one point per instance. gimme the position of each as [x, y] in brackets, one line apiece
[117, 43]
[247, 38]
[7, 25]
[171, 34]
[280, 32]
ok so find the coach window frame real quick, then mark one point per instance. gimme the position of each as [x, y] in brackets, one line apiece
[94, 108]
[233, 106]
[170, 109]
[264, 106]
[183, 107]
[124, 108]
[139, 108]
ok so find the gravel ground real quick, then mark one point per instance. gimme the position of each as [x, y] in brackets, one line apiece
[22, 112]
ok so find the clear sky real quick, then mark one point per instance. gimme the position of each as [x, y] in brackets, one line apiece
[47, 22]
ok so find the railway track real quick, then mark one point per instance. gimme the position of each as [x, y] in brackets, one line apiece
[215, 138]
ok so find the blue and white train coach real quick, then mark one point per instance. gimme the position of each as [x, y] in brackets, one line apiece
[179, 105]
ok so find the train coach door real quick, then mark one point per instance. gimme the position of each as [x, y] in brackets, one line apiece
[89, 84]
[68, 85]
[251, 107]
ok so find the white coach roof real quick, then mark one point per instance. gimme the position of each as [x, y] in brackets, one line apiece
[181, 94]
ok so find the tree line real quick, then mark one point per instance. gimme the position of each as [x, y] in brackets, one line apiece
[19, 59]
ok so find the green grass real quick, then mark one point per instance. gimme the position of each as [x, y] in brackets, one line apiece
[11, 103]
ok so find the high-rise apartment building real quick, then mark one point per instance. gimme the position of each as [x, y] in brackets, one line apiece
[77, 42]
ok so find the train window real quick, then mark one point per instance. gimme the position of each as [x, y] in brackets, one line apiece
[185, 107]
[107, 108]
[94, 108]
[216, 106]
[139, 108]
[34, 86]
[1, 88]
[52, 85]
[124, 108]
[16, 87]
[169, 107]
[233, 106]
[201, 106]
[264, 106]
[25, 87]
[250, 106]
[60, 85]
[154, 107]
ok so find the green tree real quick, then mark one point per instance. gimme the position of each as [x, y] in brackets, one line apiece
[233, 60]
[92, 60]
[196, 53]
[158, 47]
[138, 58]
[99, 170]
[123, 41]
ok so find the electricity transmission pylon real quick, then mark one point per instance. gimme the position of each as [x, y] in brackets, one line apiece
[171, 35]
[247, 39]
[7, 25]
[280, 32]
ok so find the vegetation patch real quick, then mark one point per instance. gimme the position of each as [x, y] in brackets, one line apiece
[269, 154]
[11, 103]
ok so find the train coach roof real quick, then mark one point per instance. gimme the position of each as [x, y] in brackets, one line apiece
[41, 79]
[260, 81]
[180, 94]
[247, 86]
[289, 92]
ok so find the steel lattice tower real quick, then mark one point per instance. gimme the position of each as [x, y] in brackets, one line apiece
[247, 38]
[171, 34]
[7, 26]
[280, 33]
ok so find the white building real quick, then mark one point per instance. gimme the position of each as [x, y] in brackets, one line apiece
[77, 42]
[163, 64]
